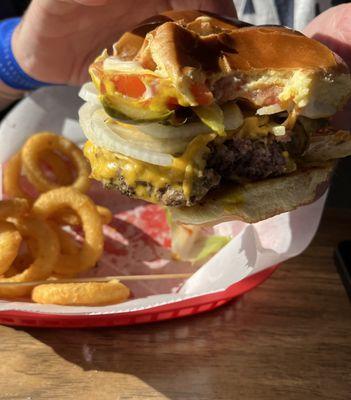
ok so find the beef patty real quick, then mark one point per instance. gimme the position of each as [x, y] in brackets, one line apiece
[234, 160]
[245, 159]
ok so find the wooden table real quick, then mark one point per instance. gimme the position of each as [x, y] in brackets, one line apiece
[288, 339]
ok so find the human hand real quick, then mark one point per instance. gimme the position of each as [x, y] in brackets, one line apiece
[58, 39]
[333, 28]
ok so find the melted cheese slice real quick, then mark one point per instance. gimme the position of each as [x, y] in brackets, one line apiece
[257, 127]
[108, 166]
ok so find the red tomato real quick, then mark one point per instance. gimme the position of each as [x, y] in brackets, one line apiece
[269, 95]
[172, 103]
[201, 93]
[102, 88]
[129, 85]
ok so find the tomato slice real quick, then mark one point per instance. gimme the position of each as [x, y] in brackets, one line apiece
[129, 85]
[201, 93]
[102, 88]
[172, 103]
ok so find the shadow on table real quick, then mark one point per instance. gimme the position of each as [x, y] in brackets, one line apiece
[169, 356]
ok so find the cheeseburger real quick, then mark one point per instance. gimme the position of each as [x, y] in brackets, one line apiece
[214, 118]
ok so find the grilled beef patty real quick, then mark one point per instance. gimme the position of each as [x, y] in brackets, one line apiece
[247, 159]
[234, 160]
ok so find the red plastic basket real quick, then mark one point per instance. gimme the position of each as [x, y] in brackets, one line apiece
[179, 309]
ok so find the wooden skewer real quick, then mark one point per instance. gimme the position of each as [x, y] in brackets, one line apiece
[101, 279]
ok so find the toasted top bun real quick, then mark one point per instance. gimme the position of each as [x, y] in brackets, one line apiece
[244, 47]
[131, 42]
[236, 60]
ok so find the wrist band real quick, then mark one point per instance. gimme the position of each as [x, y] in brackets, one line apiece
[10, 71]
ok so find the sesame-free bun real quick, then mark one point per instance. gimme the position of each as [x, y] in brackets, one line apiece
[237, 60]
[131, 42]
[245, 47]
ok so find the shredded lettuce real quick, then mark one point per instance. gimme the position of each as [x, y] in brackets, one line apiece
[192, 243]
[209, 246]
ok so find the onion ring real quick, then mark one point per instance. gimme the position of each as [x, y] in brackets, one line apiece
[21, 262]
[10, 242]
[43, 264]
[13, 208]
[105, 214]
[44, 141]
[68, 244]
[66, 217]
[13, 169]
[12, 175]
[48, 203]
[59, 168]
[81, 294]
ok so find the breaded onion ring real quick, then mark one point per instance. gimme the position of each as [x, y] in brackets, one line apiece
[10, 242]
[12, 175]
[60, 169]
[66, 217]
[81, 293]
[36, 145]
[49, 203]
[45, 258]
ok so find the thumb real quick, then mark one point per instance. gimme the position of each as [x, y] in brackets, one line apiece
[333, 28]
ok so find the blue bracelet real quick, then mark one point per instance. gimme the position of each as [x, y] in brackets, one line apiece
[10, 71]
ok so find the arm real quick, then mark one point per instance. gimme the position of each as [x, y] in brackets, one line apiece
[8, 95]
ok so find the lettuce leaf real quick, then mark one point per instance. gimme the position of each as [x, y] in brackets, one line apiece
[192, 243]
[209, 246]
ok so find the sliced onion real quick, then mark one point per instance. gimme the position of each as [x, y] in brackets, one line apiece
[268, 110]
[233, 119]
[133, 134]
[114, 63]
[89, 93]
[279, 130]
[92, 120]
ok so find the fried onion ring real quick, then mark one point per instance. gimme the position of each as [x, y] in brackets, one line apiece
[68, 244]
[59, 168]
[10, 242]
[43, 264]
[66, 217]
[49, 203]
[21, 262]
[12, 175]
[105, 214]
[81, 293]
[36, 145]
[13, 208]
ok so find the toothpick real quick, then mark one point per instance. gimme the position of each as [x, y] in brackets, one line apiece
[101, 279]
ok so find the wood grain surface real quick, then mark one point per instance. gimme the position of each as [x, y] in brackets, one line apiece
[288, 339]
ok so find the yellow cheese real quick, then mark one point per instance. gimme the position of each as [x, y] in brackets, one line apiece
[192, 163]
[106, 166]
[255, 127]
